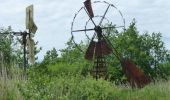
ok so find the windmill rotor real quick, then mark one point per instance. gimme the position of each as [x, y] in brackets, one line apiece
[32, 28]
[97, 28]
[95, 24]
[89, 26]
[27, 37]
[100, 46]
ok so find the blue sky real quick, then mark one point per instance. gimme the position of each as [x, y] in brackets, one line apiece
[54, 17]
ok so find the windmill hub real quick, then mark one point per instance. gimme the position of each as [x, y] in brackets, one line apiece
[98, 30]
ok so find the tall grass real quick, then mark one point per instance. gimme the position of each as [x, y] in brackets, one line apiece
[75, 87]
[8, 84]
[69, 87]
[9, 90]
[158, 91]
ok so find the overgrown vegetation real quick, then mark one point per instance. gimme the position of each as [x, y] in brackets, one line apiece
[67, 77]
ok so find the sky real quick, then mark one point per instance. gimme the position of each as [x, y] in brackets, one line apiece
[53, 18]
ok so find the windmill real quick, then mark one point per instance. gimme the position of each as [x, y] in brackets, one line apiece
[99, 45]
[27, 37]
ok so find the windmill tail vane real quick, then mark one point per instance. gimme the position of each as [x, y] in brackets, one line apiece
[134, 75]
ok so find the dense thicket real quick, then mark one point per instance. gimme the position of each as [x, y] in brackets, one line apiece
[65, 75]
[146, 50]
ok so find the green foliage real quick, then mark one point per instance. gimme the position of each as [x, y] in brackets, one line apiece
[72, 54]
[146, 50]
[63, 68]
[66, 76]
[11, 51]
[51, 57]
[164, 70]
[7, 57]
[76, 87]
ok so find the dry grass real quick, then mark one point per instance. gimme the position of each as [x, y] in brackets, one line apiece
[8, 85]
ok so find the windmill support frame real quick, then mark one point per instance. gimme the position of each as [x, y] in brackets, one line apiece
[24, 41]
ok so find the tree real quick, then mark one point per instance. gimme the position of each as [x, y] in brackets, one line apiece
[51, 56]
[146, 50]
[6, 56]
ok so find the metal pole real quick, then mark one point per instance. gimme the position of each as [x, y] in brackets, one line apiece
[24, 50]
[24, 41]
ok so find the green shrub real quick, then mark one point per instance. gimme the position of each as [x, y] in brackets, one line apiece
[71, 86]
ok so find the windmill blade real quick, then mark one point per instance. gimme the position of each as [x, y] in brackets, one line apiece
[30, 25]
[90, 50]
[106, 49]
[33, 28]
[102, 48]
[89, 9]
[31, 46]
[135, 76]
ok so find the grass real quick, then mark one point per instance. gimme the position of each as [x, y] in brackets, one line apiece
[76, 88]
[9, 90]
[8, 86]
[157, 91]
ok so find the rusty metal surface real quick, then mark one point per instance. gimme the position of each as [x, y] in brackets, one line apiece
[88, 6]
[102, 48]
[134, 75]
[90, 51]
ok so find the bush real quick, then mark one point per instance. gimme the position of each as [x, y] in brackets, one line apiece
[69, 87]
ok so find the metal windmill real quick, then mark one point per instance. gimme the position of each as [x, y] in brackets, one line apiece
[100, 46]
[27, 37]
